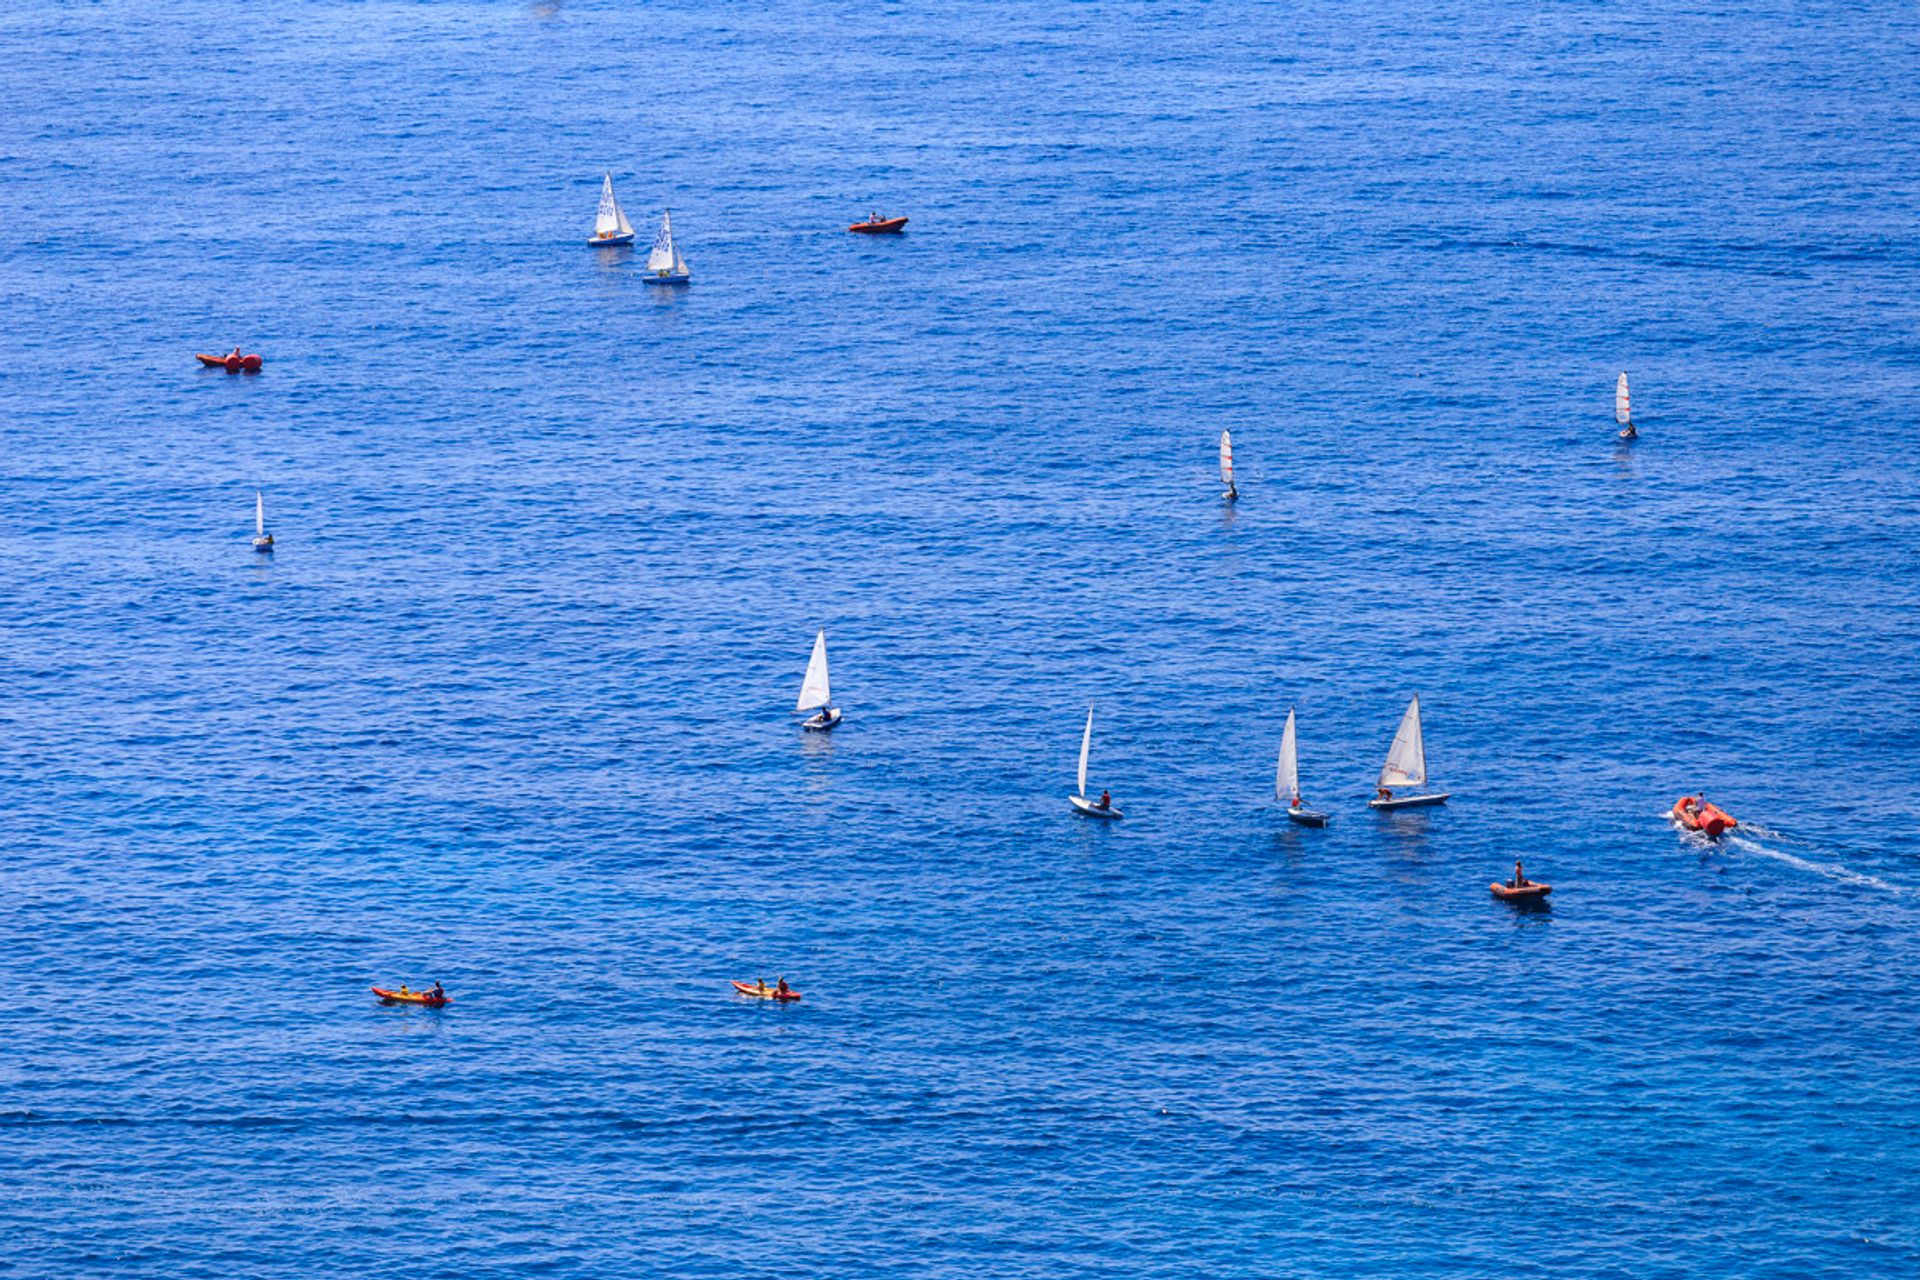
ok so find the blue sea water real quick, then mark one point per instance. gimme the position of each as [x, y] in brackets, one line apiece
[509, 705]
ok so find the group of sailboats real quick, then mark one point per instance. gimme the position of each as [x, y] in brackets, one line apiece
[665, 265]
[1403, 778]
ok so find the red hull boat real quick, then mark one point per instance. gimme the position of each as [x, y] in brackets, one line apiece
[1528, 892]
[232, 364]
[1695, 814]
[879, 226]
[426, 998]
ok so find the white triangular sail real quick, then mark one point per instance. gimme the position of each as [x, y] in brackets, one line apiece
[611, 219]
[813, 689]
[666, 255]
[259, 515]
[1286, 782]
[1226, 459]
[1086, 744]
[1622, 404]
[1406, 764]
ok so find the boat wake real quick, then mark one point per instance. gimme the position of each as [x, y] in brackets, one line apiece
[1752, 838]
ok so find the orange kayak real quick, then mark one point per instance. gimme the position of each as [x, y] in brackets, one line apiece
[1695, 814]
[765, 993]
[232, 364]
[879, 226]
[1529, 892]
[412, 997]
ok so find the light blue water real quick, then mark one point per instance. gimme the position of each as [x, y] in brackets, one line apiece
[508, 707]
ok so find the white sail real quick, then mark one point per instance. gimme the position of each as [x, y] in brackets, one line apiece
[1226, 459]
[259, 515]
[1086, 743]
[665, 257]
[813, 689]
[1406, 764]
[1286, 782]
[610, 219]
[1622, 405]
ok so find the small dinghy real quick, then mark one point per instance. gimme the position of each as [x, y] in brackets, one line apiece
[875, 225]
[1623, 409]
[1695, 814]
[1531, 891]
[262, 540]
[815, 693]
[1406, 766]
[1103, 807]
[1286, 782]
[1226, 467]
[610, 225]
[761, 991]
[664, 263]
[232, 362]
[427, 998]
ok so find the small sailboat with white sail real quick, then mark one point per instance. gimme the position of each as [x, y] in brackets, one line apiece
[610, 225]
[664, 263]
[1226, 467]
[262, 540]
[815, 694]
[1623, 409]
[1286, 782]
[1406, 766]
[1103, 807]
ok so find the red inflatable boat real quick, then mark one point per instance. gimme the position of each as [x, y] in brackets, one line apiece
[1695, 814]
[878, 226]
[1531, 891]
[234, 363]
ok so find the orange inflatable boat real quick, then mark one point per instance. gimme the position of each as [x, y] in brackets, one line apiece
[234, 363]
[1531, 891]
[1695, 814]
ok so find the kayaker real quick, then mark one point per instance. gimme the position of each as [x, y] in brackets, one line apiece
[404, 991]
[439, 992]
[1106, 800]
[782, 988]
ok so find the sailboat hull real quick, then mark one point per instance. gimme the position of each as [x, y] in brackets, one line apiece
[1306, 818]
[1093, 810]
[1409, 802]
[660, 279]
[822, 722]
[608, 242]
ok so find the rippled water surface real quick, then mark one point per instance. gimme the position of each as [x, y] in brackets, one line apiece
[509, 705]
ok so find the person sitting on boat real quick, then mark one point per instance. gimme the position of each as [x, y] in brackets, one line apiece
[1296, 801]
[782, 988]
[1106, 800]
[404, 991]
[439, 992]
[1383, 794]
[234, 354]
[1631, 433]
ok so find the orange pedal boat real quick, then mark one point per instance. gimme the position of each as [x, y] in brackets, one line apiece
[1695, 814]
[879, 226]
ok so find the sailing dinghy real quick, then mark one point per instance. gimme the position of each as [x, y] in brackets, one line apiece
[610, 225]
[1286, 783]
[1623, 410]
[262, 540]
[1092, 808]
[1226, 467]
[815, 695]
[664, 264]
[1406, 766]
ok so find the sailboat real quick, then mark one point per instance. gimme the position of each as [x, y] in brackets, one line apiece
[664, 264]
[1286, 782]
[1092, 808]
[1406, 766]
[815, 696]
[1623, 410]
[610, 225]
[262, 540]
[1226, 467]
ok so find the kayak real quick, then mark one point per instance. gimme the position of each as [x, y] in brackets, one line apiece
[1530, 892]
[765, 993]
[880, 226]
[412, 997]
[232, 364]
[1707, 819]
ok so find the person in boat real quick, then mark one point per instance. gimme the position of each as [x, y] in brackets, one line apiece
[783, 989]
[1519, 880]
[1296, 801]
[1383, 793]
[439, 992]
[234, 354]
[1106, 800]
[404, 991]
[1630, 433]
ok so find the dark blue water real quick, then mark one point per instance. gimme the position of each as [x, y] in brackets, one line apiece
[509, 706]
